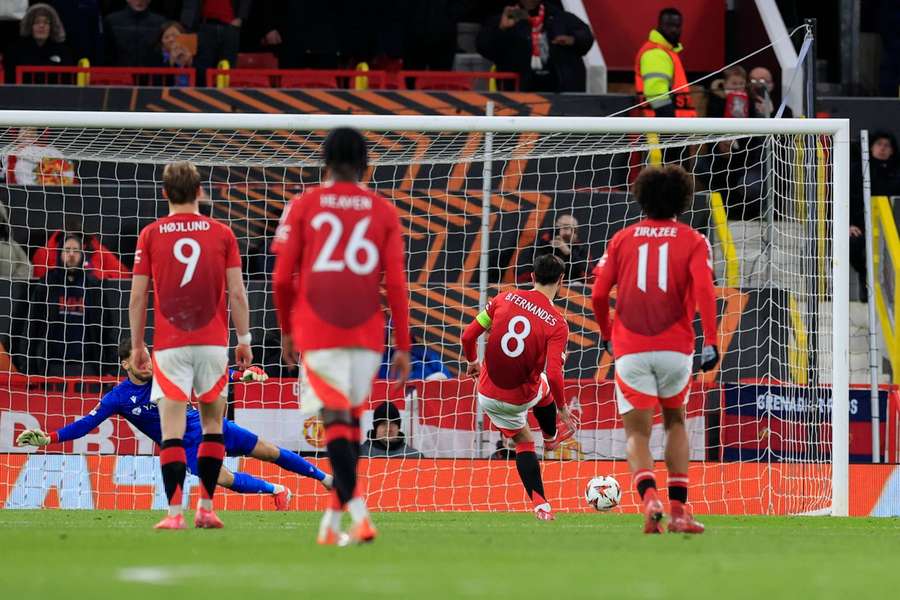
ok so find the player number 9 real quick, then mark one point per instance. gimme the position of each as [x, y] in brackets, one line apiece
[189, 260]
[517, 336]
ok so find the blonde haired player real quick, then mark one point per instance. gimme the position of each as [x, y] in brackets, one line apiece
[336, 246]
[663, 272]
[191, 259]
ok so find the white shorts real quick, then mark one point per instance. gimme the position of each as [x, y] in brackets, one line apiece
[512, 418]
[645, 379]
[201, 370]
[336, 378]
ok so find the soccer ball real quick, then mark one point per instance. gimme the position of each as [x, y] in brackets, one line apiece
[603, 493]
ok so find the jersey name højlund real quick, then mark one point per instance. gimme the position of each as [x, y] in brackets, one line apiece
[351, 202]
[541, 313]
[655, 232]
[183, 227]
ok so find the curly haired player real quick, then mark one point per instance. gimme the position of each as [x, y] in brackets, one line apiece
[662, 269]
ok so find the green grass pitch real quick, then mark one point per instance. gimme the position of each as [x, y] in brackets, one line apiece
[96, 554]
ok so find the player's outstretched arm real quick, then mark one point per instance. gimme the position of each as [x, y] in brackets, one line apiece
[240, 315]
[73, 431]
[137, 319]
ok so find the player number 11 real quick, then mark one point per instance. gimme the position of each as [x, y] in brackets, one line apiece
[662, 278]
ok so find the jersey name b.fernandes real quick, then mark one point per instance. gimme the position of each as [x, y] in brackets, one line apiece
[662, 270]
[337, 246]
[187, 255]
[527, 337]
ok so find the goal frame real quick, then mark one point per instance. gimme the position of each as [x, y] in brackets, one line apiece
[840, 180]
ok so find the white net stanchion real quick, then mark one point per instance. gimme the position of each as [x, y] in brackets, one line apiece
[768, 429]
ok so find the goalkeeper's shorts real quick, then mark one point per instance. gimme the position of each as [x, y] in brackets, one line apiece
[179, 372]
[645, 379]
[336, 378]
[512, 418]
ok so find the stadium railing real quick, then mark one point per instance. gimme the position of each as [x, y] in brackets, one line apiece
[352, 79]
[106, 76]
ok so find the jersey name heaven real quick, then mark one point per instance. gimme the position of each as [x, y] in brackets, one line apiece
[655, 232]
[352, 202]
[531, 307]
[181, 227]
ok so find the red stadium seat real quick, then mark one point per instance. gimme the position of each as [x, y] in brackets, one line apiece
[452, 82]
[309, 79]
[256, 60]
[248, 79]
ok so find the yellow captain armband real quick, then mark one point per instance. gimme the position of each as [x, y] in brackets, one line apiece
[483, 319]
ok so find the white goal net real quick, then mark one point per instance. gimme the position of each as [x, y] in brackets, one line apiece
[768, 429]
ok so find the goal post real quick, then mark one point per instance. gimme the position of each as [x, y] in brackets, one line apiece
[476, 193]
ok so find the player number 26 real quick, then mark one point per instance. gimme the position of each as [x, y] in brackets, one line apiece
[357, 245]
[513, 341]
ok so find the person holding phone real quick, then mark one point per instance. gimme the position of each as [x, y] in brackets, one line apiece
[177, 48]
[539, 41]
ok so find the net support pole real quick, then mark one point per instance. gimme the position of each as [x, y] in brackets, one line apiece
[870, 305]
[486, 176]
[840, 318]
[809, 72]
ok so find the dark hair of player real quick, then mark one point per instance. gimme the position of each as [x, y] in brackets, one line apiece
[181, 182]
[548, 268]
[663, 192]
[124, 348]
[669, 12]
[345, 155]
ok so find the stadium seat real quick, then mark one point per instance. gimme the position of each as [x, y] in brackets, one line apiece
[248, 79]
[449, 82]
[309, 79]
[256, 60]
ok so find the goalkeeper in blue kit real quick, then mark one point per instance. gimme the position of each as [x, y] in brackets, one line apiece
[130, 399]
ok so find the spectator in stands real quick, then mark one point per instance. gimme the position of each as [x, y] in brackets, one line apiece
[565, 243]
[884, 174]
[427, 364]
[64, 321]
[174, 54]
[385, 438]
[41, 42]
[84, 27]
[218, 22]
[658, 71]
[99, 260]
[728, 96]
[762, 95]
[14, 263]
[304, 34]
[539, 41]
[132, 35]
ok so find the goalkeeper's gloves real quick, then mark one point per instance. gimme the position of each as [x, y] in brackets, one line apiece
[33, 437]
[709, 357]
[249, 375]
[606, 346]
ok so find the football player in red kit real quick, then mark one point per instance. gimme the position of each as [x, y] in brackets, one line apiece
[336, 246]
[523, 369]
[192, 259]
[662, 269]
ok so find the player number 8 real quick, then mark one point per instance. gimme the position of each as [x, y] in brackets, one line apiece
[189, 260]
[517, 336]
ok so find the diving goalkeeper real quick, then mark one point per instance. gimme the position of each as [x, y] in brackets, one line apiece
[131, 400]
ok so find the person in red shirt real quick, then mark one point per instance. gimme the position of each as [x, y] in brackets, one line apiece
[335, 247]
[662, 269]
[523, 369]
[191, 259]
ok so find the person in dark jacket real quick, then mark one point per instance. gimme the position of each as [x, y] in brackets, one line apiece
[884, 173]
[132, 34]
[41, 42]
[84, 27]
[385, 438]
[218, 24]
[64, 321]
[539, 41]
[564, 242]
[429, 39]
[304, 34]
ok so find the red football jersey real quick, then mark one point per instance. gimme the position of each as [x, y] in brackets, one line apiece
[527, 337]
[663, 273]
[337, 245]
[186, 256]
